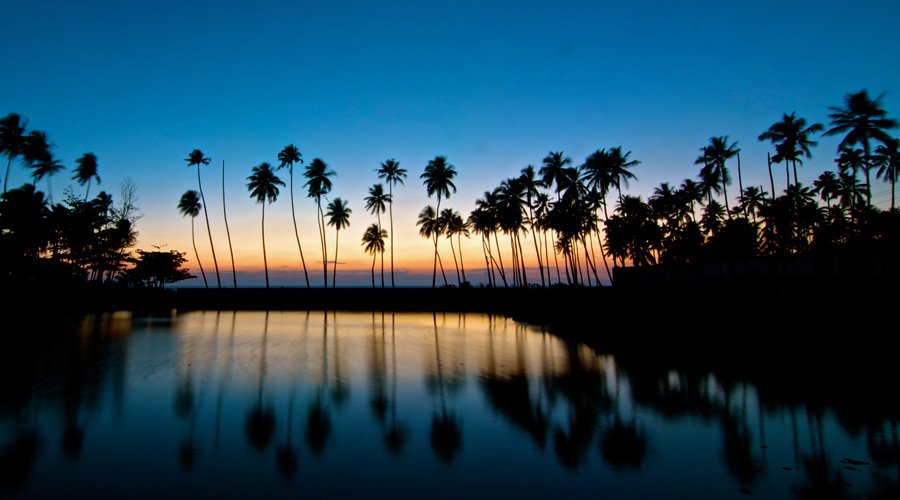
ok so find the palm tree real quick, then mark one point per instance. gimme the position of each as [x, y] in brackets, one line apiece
[438, 181]
[862, 120]
[288, 157]
[339, 217]
[430, 227]
[38, 156]
[86, 171]
[190, 205]
[373, 243]
[228, 231]
[555, 172]
[790, 136]
[530, 184]
[12, 140]
[318, 185]
[714, 157]
[753, 200]
[391, 172]
[196, 158]
[263, 186]
[827, 186]
[376, 204]
[887, 157]
[453, 225]
[618, 168]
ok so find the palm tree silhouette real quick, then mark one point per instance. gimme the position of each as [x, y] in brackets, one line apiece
[530, 184]
[38, 156]
[227, 231]
[438, 181]
[863, 120]
[887, 158]
[790, 136]
[555, 172]
[827, 186]
[376, 205]
[618, 168]
[713, 159]
[263, 186]
[196, 158]
[288, 157]
[391, 172]
[339, 217]
[189, 205]
[430, 227]
[373, 243]
[318, 185]
[12, 140]
[456, 226]
[86, 171]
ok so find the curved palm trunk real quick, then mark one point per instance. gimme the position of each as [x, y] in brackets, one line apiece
[741, 184]
[227, 231]
[337, 234]
[725, 192]
[487, 263]
[208, 230]
[771, 179]
[537, 249]
[321, 223]
[868, 167]
[197, 255]
[373, 270]
[794, 165]
[556, 259]
[499, 256]
[391, 212]
[6, 177]
[378, 217]
[455, 262]
[88, 190]
[265, 261]
[296, 231]
[521, 253]
[462, 265]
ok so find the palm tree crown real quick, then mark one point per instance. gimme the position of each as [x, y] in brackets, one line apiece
[288, 157]
[376, 202]
[12, 140]
[391, 172]
[318, 182]
[86, 171]
[338, 214]
[263, 185]
[189, 204]
[438, 177]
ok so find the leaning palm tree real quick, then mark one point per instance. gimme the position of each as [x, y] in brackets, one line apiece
[318, 185]
[339, 217]
[790, 136]
[189, 205]
[288, 157]
[196, 158]
[863, 120]
[887, 157]
[86, 171]
[38, 156]
[391, 172]
[12, 140]
[376, 204]
[438, 180]
[263, 186]
[373, 243]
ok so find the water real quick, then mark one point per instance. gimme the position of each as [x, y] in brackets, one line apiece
[405, 406]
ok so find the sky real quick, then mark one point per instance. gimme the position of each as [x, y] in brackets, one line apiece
[492, 85]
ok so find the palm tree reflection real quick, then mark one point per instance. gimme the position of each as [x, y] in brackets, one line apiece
[261, 421]
[397, 434]
[446, 435]
[318, 420]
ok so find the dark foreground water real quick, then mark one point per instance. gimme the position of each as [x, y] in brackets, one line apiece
[365, 405]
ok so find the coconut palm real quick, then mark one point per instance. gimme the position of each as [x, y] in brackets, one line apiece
[373, 243]
[453, 225]
[86, 171]
[318, 185]
[555, 172]
[189, 205]
[790, 136]
[263, 186]
[714, 156]
[376, 204]
[391, 172]
[530, 184]
[752, 200]
[862, 120]
[38, 155]
[438, 181]
[339, 217]
[826, 185]
[12, 140]
[619, 166]
[887, 158]
[430, 227]
[288, 157]
[196, 158]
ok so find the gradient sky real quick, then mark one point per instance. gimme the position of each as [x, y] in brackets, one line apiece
[493, 86]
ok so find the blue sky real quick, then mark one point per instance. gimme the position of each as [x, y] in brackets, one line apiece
[492, 85]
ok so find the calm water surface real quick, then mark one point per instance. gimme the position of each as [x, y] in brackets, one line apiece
[402, 405]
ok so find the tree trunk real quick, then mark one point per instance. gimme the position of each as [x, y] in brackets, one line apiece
[373, 271]
[771, 179]
[455, 262]
[537, 248]
[391, 211]
[197, 254]
[500, 256]
[265, 261]
[294, 218]
[741, 186]
[794, 165]
[725, 192]
[337, 234]
[6, 177]
[227, 232]
[462, 265]
[321, 223]
[208, 230]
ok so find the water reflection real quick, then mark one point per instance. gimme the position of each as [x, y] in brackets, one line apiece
[332, 403]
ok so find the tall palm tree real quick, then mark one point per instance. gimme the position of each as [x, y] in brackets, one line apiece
[376, 204]
[430, 227]
[530, 184]
[790, 136]
[619, 166]
[863, 120]
[197, 159]
[189, 205]
[887, 157]
[339, 217]
[12, 140]
[228, 231]
[826, 185]
[373, 243]
[86, 171]
[391, 172]
[555, 172]
[318, 185]
[39, 157]
[457, 226]
[263, 186]
[714, 157]
[438, 181]
[288, 157]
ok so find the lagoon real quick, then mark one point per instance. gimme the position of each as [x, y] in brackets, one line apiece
[404, 405]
